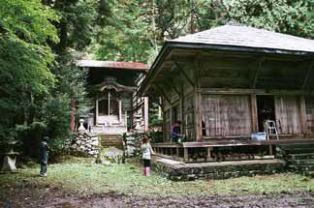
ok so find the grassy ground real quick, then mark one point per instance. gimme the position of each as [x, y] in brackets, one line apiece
[86, 178]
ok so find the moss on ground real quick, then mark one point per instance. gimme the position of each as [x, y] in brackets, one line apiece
[86, 178]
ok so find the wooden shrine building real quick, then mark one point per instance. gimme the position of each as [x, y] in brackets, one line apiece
[223, 83]
[112, 89]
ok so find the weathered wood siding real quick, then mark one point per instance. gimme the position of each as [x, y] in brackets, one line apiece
[309, 106]
[287, 111]
[189, 118]
[226, 116]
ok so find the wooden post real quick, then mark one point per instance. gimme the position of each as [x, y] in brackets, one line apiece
[126, 118]
[96, 113]
[146, 115]
[209, 157]
[270, 149]
[254, 115]
[120, 110]
[109, 96]
[186, 154]
[303, 116]
[197, 117]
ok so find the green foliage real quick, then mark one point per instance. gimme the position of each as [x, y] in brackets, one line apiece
[127, 35]
[140, 31]
[154, 119]
[25, 58]
[286, 16]
[79, 22]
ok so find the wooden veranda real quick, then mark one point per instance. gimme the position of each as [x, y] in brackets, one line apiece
[223, 83]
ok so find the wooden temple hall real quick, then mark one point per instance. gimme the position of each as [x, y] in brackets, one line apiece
[229, 84]
[112, 88]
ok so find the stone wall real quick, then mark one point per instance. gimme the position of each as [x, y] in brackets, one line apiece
[132, 144]
[180, 171]
[85, 143]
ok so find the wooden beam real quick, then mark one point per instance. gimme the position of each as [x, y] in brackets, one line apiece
[238, 91]
[257, 69]
[185, 75]
[172, 86]
[197, 72]
[308, 75]
[161, 91]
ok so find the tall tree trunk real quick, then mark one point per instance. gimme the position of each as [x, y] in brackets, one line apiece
[72, 114]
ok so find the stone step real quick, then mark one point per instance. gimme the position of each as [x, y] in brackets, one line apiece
[301, 156]
[299, 150]
[304, 162]
[301, 167]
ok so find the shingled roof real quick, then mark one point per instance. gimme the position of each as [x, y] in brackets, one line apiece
[244, 36]
[136, 66]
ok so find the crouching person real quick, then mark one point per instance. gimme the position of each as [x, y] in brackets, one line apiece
[147, 151]
[44, 152]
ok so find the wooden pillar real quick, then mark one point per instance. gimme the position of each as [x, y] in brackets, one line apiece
[96, 113]
[120, 110]
[109, 97]
[303, 116]
[186, 154]
[126, 118]
[209, 157]
[254, 116]
[197, 116]
[146, 115]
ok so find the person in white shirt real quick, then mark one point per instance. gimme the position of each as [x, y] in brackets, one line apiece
[147, 151]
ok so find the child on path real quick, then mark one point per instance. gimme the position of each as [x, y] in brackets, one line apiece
[44, 150]
[147, 151]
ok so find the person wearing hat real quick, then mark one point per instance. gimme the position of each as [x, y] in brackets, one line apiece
[44, 150]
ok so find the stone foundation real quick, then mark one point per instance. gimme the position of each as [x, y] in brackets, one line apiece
[178, 171]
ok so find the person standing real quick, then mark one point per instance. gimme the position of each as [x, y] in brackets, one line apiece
[44, 150]
[147, 151]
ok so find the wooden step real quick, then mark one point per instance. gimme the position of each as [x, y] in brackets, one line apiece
[302, 156]
[294, 146]
[111, 141]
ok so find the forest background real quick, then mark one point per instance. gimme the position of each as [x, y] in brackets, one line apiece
[41, 89]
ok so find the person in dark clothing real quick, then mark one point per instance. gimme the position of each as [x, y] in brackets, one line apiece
[176, 132]
[44, 150]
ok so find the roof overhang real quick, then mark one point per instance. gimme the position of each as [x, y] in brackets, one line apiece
[116, 65]
[252, 51]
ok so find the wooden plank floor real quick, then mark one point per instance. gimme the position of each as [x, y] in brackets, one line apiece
[235, 142]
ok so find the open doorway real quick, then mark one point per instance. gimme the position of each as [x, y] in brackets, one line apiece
[265, 109]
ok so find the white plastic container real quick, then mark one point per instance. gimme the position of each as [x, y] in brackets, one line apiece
[258, 136]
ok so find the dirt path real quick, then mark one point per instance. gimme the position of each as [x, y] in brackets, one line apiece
[52, 198]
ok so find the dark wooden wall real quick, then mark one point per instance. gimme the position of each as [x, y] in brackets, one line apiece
[226, 116]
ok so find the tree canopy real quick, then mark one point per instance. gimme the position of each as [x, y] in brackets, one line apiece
[25, 57]
[41, 39]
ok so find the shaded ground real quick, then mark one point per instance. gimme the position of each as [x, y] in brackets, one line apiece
[85, 184]
[52, 198]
